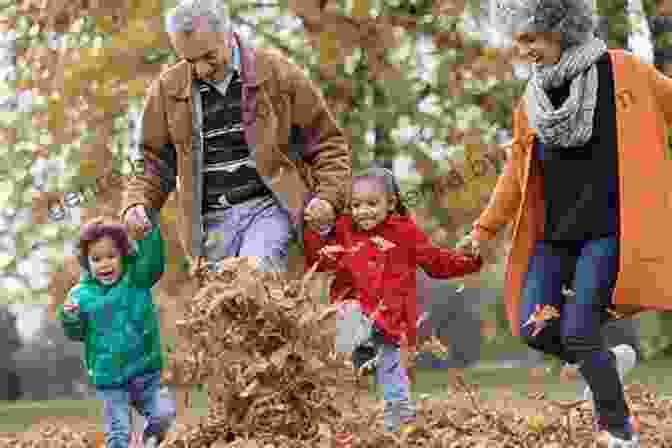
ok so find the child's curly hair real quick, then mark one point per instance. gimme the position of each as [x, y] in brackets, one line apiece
[100, 227]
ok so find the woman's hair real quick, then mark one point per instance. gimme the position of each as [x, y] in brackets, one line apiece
[181, 18]
[99, 228]
[573, 20]
[387, 180]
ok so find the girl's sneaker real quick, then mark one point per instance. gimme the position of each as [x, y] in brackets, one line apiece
[152, 442]
[343, 440]
[609, 440]
[632, 420]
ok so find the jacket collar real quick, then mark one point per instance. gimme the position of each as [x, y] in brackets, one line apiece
[254, 70]
[616, 56]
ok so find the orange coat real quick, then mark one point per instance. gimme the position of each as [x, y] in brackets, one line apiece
[643, 115]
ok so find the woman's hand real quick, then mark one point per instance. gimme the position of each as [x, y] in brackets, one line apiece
[472, 246]
[469, 246]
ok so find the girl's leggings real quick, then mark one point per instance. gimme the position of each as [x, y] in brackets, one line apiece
[144, 392]
[399, 407]
[590, 268]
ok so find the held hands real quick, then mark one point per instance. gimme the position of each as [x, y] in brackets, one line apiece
[137, 222]
[469, 246]
[472, 246]
[319, 213]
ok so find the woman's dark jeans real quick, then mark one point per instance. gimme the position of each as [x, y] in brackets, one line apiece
[590, 269]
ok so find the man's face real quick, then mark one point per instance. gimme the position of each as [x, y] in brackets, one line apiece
[205, 51]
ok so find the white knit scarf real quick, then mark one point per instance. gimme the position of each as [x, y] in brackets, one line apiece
[571, 124]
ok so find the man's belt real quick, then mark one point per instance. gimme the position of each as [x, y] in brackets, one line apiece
[234, 196]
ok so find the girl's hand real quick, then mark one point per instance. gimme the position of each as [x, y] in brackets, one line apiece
[332, 251]
[71, 308]
[336, 249]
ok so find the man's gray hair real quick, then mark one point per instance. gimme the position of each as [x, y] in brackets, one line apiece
[574, 20]
[190, 15]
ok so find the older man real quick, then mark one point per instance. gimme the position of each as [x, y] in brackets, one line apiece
[245, 139]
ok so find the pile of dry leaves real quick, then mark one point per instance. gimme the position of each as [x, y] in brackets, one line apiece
[265, 351]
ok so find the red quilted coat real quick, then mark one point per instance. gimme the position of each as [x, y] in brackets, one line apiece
[379, 266]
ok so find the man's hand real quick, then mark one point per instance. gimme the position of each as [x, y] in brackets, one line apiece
[137, 223]
[319, 213]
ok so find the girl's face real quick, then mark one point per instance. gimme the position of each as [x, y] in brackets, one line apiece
[538, 48]
[105, 261]
[370, 203]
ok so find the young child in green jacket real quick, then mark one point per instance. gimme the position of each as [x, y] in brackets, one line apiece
[111, 310]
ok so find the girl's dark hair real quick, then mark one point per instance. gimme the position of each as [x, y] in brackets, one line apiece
[98, 228]
[388, 181]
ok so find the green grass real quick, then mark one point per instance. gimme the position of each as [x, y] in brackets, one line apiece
[16, 417]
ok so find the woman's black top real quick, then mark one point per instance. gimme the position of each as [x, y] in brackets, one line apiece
[581, 183]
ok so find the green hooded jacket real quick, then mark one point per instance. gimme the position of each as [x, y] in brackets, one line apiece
[119, 323]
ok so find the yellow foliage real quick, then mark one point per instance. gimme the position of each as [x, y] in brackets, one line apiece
[169, 214]
[136, 87]
[25, 83]
[56, 111]
[329, 48]
[105, 24]
[360, 9]
[171, 267]
[135, 37]
[143, 9]
[536, 423]
[88, 168]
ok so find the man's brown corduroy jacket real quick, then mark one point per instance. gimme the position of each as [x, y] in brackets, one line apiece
[295, 143]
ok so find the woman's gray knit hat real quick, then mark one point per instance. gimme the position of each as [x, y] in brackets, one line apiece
[574, 20]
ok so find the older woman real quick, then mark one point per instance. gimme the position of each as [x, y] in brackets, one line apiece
[588, 183]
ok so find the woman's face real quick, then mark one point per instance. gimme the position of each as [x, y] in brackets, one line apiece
[538, 48]
[105, 261]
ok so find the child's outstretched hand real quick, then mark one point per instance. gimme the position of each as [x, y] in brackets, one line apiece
[332, 251]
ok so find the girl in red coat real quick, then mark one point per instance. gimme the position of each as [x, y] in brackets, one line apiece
[375, 252]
